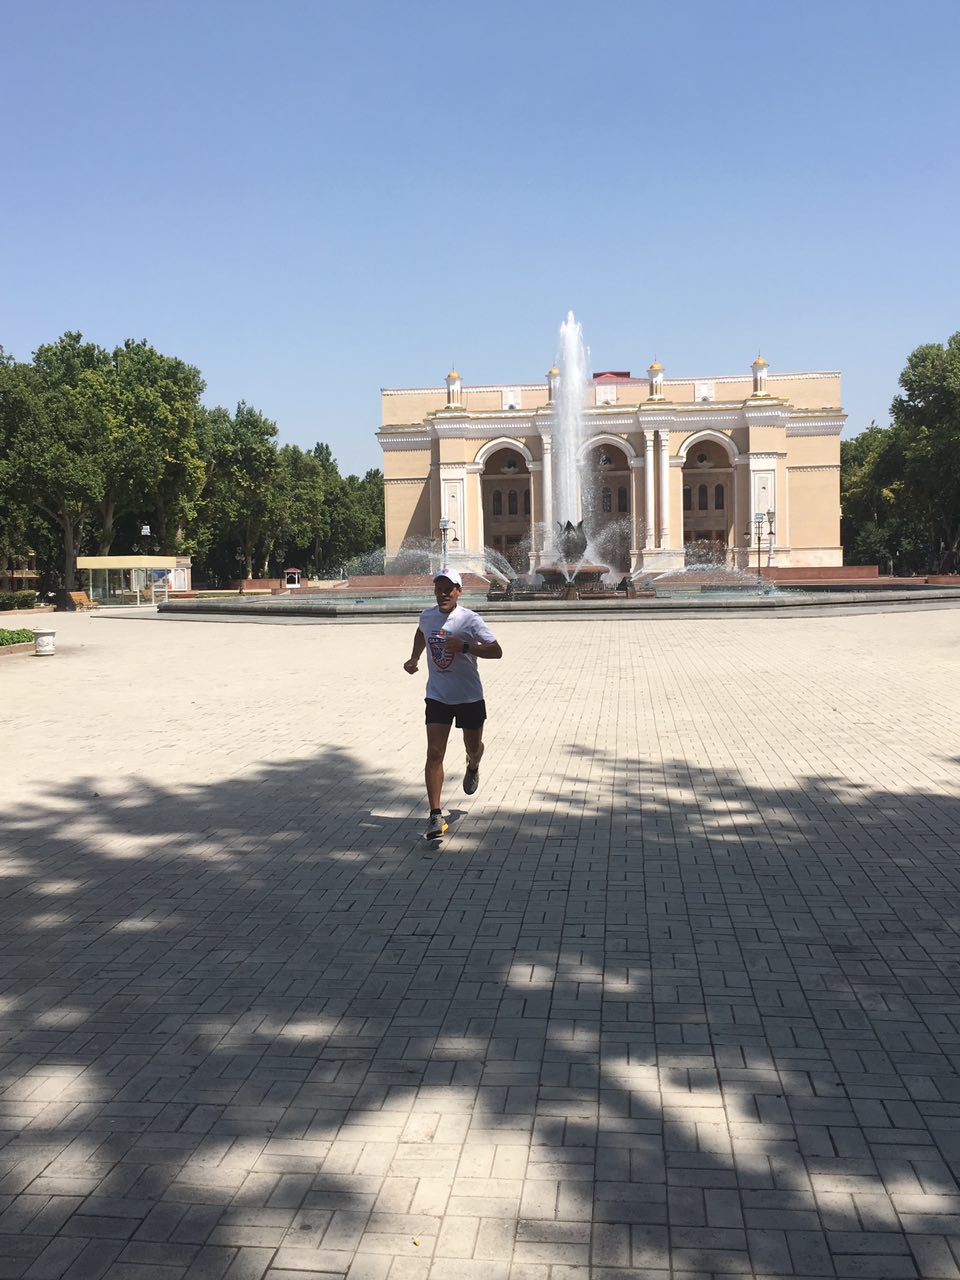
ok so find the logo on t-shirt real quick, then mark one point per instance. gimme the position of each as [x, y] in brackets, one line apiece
[441, 657]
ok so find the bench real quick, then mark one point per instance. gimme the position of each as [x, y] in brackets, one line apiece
[81, 600]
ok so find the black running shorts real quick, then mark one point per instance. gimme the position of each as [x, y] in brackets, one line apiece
[467, 715]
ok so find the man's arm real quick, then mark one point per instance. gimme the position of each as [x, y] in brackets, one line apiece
[485, 649]
[419, 644]
[489, 650]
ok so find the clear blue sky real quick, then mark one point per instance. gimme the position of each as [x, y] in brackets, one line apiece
[310, 201]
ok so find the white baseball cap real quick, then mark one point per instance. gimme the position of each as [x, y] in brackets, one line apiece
[451, 575]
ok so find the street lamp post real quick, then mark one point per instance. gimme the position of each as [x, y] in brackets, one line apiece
[446, 527]
[758, 521]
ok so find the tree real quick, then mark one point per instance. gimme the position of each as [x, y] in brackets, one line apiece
[926, 421]
[155, 469]
[237, 502]
[53, 428]
[868, 496]
[87, 437]
[355, 521]
[14, 513]
[301, 508]
[92, 444]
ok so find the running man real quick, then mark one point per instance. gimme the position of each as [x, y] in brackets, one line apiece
[454, 638]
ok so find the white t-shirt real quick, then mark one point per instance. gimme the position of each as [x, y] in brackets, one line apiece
[453, 678]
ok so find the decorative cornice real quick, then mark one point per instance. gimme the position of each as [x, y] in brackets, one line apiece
[643, 421]
[465, 388]
[816, 426]
[413, 391]
[831, 466]
[777, 414]
[491, 428]
[667, 382]
[421, 480]
[621, 419]
[396, 444]
[733, 378]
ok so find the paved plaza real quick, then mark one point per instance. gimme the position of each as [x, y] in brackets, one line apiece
[679, 999]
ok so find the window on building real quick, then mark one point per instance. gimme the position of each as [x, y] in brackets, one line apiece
[622, 498]
[718, 498]
[687, 498]
[606, 500]
[512, 503]
[702, 498]
[497, 502]
[526, 502]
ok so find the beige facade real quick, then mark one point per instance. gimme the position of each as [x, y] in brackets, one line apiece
[665, 463]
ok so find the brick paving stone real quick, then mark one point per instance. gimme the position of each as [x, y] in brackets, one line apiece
[211, 1263]
[678, 998]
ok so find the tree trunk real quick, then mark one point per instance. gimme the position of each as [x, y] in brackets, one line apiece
[69, 553]
[105, 541]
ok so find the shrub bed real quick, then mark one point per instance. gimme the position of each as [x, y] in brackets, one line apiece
[17, 599]
[23, 636]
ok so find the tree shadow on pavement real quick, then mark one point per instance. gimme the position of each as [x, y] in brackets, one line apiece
[661, 1024]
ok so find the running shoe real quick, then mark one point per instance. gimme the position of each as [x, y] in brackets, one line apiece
[471, 779]
[435, 827]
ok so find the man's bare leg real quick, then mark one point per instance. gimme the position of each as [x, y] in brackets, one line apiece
[437, 735]
[473, 744]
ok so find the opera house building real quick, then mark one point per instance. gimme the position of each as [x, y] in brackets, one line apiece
[738, 464]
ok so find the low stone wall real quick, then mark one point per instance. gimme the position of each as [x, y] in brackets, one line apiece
[254, 584]
[7, 649]
[819, 573]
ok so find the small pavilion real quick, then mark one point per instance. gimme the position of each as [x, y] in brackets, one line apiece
[133, 579]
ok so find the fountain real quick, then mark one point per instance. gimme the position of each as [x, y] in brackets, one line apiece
[566, 563]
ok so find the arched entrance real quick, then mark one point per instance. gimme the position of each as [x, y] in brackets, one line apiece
[708, 532]
[506, 498]
[605, 481]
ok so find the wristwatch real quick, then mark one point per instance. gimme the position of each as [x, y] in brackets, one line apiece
[465, 646]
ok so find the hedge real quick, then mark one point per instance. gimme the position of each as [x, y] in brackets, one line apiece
[23, 636]
[17, 599]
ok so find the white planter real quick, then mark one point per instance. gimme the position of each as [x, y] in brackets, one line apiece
[44, 640]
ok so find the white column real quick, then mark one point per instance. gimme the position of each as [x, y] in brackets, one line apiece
[649, 530]
[635, 543]
[548, 491]
[473, 500]
[535, 469]
[664, 488]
